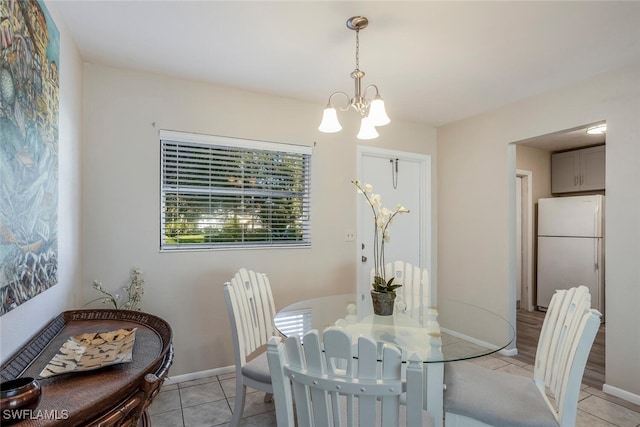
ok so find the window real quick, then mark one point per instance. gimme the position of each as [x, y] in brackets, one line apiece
[220, 192]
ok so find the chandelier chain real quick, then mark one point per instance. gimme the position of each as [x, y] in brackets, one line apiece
[357, 49]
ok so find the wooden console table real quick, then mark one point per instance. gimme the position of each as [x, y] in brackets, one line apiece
[116, 395]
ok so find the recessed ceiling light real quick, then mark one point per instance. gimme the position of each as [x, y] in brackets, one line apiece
[598, 129]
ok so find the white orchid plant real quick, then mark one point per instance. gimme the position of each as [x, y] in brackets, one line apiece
[382, 218]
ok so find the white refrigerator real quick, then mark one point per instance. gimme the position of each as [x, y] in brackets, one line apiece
[571, 247]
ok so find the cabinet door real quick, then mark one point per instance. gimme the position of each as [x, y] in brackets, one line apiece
[565, 174]
[592, 168]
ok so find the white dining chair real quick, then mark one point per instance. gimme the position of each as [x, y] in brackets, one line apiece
[330, 387]
[476, 396]
[251, 311]
[415, 296]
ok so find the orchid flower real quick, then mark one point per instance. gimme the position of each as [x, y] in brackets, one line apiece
[382, 218]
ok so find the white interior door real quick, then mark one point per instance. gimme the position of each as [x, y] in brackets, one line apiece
[398, 177]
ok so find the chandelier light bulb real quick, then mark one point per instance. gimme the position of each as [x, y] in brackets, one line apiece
[377, 113]
[330, 123]
[367, 129]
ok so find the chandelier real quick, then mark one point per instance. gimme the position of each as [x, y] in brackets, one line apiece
[372, 112]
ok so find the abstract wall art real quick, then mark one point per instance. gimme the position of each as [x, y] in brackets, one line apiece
[29, 108]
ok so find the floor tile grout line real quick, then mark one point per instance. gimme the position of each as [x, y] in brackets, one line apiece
[181, 408]
[225, 393]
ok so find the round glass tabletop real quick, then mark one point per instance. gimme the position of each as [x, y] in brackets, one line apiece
[452, 330]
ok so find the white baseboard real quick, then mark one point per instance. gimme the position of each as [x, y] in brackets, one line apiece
[622, 394]
[174, 379]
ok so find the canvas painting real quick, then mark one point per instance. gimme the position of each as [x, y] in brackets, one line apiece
[29, 108]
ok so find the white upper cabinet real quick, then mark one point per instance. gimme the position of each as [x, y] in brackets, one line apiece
[578, 170]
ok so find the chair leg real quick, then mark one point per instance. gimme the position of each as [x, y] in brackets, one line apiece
[268, 397]
[238, 407]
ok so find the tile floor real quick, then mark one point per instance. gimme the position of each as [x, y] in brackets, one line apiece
[208, 402]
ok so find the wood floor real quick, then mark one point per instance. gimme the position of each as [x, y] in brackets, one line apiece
[528, 325]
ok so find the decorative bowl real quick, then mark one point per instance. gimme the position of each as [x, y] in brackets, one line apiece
[18, 398]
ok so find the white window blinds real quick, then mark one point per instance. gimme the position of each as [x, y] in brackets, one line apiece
[220, 192]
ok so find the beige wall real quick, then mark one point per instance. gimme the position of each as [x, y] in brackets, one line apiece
[476, 215]
[121, 199]
[21, 323]
[538, 162]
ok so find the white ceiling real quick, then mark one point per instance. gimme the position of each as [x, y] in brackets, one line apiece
[434, 62]
[566, 139]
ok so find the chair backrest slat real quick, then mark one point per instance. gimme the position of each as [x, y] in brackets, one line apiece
[580, 302]
[246, 290]
[301, 393]
[237, 327]
[391, 371]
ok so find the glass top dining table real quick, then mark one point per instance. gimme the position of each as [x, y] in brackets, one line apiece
[458, 330]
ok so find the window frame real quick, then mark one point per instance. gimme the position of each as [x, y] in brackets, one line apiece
[191, 141]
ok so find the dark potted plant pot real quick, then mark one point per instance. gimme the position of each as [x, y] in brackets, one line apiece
[383, 302]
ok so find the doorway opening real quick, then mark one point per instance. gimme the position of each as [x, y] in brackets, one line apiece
[524, 241]
[532, 169]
